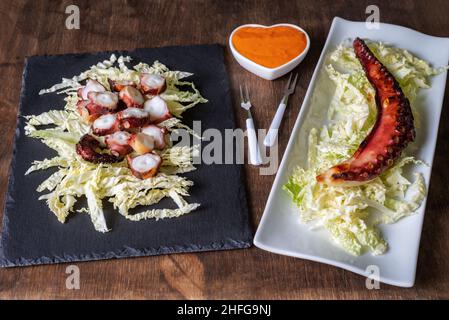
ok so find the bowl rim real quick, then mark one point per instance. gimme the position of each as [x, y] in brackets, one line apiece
[236, 52]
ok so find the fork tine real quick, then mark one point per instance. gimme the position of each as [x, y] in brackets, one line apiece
[241, 94]
[247, 93]
[292, 87]
[288, 82]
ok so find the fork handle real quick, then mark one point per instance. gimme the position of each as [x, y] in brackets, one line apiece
[275, 124]
[254, 151]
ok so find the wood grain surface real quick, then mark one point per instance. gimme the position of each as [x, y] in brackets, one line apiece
[38, 27]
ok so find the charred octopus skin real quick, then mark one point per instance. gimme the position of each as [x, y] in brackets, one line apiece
[392, 131]
[87, 149]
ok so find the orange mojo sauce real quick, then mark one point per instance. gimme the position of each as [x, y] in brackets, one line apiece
[269, 47]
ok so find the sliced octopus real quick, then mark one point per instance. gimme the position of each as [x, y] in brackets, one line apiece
[133, 118]
[104, 100]
[157, 109]
[118, 143]
[105, 124]
[141, 143]
[392, 131]
[86, 114]
[91, 86]
[89, 149]
[144, 166]
[126, 116]
[131, 97]
[98, 103]
[118, 85]
[152, 84]
[158, 134]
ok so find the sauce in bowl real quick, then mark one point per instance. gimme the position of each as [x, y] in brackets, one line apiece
[269, 47]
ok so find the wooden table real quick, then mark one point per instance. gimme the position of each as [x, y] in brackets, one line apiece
[38, 27]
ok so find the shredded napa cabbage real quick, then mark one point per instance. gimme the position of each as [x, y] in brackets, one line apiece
[351, 214]
[75, 178]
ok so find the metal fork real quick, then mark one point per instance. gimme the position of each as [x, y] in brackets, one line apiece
[276, 123]
[253, 145]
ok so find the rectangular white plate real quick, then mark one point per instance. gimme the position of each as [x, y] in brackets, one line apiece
[280, 229]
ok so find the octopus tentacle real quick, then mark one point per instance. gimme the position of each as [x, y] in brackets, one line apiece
[86, 148]
[392, 131]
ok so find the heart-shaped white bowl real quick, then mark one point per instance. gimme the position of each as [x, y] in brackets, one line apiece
[264, 72]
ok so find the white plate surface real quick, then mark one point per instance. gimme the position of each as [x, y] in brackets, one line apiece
[280, 230]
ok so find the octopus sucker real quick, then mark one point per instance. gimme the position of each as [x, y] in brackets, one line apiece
[87, 148]
[391, 133]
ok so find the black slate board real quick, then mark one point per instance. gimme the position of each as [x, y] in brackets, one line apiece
[31, 233]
